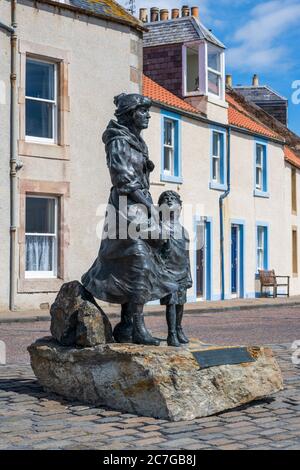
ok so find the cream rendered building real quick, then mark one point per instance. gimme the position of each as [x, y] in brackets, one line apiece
[72, 58]
[233, 165]
[236, 165]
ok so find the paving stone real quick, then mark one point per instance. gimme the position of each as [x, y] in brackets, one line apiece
[43, 422]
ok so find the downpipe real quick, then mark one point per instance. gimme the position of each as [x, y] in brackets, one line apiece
[15, 164]
[221, 215]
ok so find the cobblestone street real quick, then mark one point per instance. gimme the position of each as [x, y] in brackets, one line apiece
[31, 419]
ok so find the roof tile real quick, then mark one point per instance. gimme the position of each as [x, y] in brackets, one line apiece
[156, 92]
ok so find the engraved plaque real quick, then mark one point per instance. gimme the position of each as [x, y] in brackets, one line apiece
[218, 357]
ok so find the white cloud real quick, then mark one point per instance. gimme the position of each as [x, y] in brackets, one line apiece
[259, 42]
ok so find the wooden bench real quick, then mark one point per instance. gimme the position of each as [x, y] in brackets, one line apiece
[269, 279]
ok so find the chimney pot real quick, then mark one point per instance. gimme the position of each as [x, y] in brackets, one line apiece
[255, 80]
[164, 14]
[229, 80]
[154, 14]
[175, 13]
[144, 15]
[195, 12]
[185, 11]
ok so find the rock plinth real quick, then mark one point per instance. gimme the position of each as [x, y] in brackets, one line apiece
[76, 318]
[161, 382]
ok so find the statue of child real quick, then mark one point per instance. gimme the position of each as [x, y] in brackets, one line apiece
[175, 253]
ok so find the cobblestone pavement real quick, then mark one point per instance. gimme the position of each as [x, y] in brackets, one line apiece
[31, 419]
[247, 327]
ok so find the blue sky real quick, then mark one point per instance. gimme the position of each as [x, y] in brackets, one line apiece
[261, 37]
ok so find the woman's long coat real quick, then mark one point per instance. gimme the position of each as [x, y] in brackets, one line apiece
[128, 268]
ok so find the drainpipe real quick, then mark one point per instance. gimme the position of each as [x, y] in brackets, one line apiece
[221, 213]
[15, 164]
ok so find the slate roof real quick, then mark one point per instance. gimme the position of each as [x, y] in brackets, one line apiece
[107, 9]
[180, 30]
[259, 94]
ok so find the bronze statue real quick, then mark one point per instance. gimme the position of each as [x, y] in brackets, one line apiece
[130, 270]
[175, 253]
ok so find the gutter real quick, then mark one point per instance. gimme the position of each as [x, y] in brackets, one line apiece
[221, 215]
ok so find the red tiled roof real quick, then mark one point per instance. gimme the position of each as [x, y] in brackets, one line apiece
[240, 117]
[291, 156]
[156, 92]
[237, 114]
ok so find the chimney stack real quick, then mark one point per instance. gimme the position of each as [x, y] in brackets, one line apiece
[175, 13]
[185, 11]
[195, 12]
[229, 80]
[255, 80]
[144, 15]
[154, 14]
[164, 14]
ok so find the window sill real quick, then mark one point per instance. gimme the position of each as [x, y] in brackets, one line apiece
[258, 193]
[218, 186]
[44, 150]
[171, 179]
[39, 285]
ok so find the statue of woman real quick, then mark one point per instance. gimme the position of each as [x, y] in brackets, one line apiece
[129, 270]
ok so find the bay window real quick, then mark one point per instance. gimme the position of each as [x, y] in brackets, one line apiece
[214, 74]
[203, 70]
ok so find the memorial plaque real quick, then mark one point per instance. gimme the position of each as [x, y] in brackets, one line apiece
[218, 357]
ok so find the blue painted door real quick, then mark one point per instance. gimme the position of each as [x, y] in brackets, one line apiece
[234, 259]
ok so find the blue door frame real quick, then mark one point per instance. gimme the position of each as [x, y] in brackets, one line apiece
[237, 258]
[208, 259]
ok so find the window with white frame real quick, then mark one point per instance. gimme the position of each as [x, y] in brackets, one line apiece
[260, 168]
[192, 69]
[217, 156]
[217, 159]
[262, 241]
[214, 70]
[41, 101]
[203, 69]
[170, 151]
[41, 238]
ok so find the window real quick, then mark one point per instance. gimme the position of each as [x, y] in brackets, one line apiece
[214, 74]
[41, 237]
[192, 69]
[41, 101]
[218, 160]
[262, 247]
[294, 190]
[295, 250]
[171, 148]
[203, 70]
[260, 169]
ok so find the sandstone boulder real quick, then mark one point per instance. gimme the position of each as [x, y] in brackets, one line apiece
[76, 319]
[162, 382]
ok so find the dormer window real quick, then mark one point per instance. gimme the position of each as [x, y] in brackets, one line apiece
[214, 75]
[203, 70]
